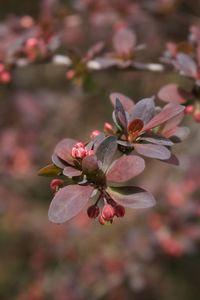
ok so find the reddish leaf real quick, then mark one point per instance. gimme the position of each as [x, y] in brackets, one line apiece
[64, 148]
[170, 126]
[172, 93]
[71, 172]
[124, 41]
[135, 126]
[68, 202]
[169, 111]
[90, 164]
[173, 160]
[153, 151]
[156, 139]
[124, 169]
[144, 110]
[58, 162]
[133, 197]
[127, 103]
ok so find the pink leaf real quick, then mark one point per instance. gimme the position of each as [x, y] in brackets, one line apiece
[64, 148]
[169, 111]
[70, 172]
[133, 197]
[124, 41]
[153, 151]
[124, 169]
[144, 110]
[172, 93]
[68, 202]
[126, 102]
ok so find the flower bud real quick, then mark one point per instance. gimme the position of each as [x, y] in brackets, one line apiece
[79, 152]
[90, 152]
[119, 211]
[55, 184]
[79, 145]
[101, 220]
[108, 212]
[93, 211]
[108, 128]
[94, 134]
[70, 74]
[189, 109]
[31, 43]
[5, 77]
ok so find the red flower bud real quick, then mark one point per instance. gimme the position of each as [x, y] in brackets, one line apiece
[31, 43]
[108, 212]
[55, 184]
[119, 211]
[93, 211]
[101, 220]
[189, 109]
[70, 74]
[94, 134]
[79, 145]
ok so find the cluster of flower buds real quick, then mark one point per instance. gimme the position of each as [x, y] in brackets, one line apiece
[5, 75]
[108, 212]
[193, 110]
[34, 49]
[80, 151]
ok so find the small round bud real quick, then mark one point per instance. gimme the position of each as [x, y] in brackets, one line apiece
[119, 211]
[70, 74]
[189, 109]
[79, 152]
[55, 184]
[79, 145]
[108, 128]
[5, 77]
[31, 43]
[108, 212]
[197, 116]
[93, 211]
[101, 220]
[94, 134]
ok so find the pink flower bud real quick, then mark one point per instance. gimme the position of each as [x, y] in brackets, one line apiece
[74, 151]
[189, 109]
[108, 128]
[94, 134]
[197, 116]
[31, 43]
[108, 212]
[90, 152]
[101, 220]
[119, 211]
[5, 77]
[55, 184]
[79, 145]
[93, 211]
[70, 74]
[79, 152]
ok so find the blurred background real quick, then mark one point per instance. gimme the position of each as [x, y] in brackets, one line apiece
[149, 254]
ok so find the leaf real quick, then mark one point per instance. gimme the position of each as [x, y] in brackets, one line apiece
[156, 139]
[68, 202]
[124, 41]
[173, 160]
[135, 126]
[106, 151]
[58, 162]
[50, 170]
[71, 172]
[168, 112]
[171, 125]
[173, 93]
[153, 151]
[126, 102]
[64, 148]
[144, 110]
[120, 115]
[179, 134]
[132, 197]
[124, 169]
[186, 65]
[90, 164]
